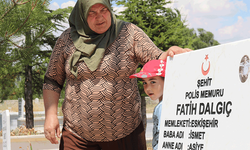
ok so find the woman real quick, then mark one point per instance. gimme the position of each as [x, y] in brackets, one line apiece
[96, 56]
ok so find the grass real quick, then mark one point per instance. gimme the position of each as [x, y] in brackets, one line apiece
[12, 105]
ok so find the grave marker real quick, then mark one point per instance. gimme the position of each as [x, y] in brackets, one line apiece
[206, 99]
[6, 130]
[21, 103]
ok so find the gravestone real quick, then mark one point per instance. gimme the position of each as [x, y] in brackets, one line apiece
[21, 103]
[206, 99]
[6, 130]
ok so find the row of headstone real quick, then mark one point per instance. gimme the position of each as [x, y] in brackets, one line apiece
[6, 124]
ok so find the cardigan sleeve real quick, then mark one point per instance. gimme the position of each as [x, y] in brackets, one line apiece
[55, 75]
[144, 48]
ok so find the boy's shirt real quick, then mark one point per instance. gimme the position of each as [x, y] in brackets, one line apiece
[156, 127]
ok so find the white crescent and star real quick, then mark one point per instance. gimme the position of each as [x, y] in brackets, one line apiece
[205, 72]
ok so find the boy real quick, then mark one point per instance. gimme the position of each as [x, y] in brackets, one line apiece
[152, 74]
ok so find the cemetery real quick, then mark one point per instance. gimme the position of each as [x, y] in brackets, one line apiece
[22, 141]
[12, 121]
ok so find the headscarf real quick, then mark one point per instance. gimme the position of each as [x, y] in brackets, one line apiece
[90, 46]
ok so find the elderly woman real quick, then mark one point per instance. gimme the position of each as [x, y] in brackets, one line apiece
[96, 56]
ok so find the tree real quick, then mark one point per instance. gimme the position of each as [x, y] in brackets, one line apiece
[164, 27]
[25, 26]
[204, 39]
[8, 77]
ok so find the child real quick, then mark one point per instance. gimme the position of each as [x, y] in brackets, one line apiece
[152, 74]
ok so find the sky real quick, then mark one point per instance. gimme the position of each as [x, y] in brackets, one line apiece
[228, 20]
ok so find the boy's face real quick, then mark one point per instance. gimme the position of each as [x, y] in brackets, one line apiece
[153, 87]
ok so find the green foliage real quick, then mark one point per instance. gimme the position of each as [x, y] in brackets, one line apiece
[26, 26]
[60, 103]
[7, 79]
[163, 25]
[204, 39]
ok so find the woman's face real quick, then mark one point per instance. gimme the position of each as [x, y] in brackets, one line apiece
[99, 18]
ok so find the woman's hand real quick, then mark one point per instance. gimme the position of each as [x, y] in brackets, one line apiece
[52, 128]
[173, 51]
[51, 124]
